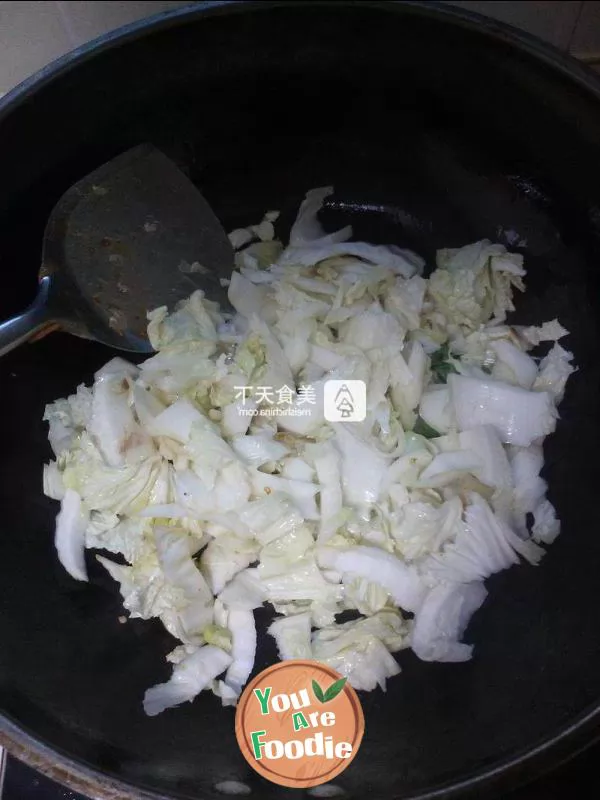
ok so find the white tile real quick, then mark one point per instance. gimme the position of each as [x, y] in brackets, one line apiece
[34, 33]
[31, 35]
[586, 38]
[552, 21]
[86, 20]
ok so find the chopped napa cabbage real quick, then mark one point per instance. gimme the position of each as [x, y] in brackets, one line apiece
[285, 551]
[483, 544]
[436, 409]
[53, 482]
[234, 420]
[292, 635]
[176, 421]
[420, 528]
[408, 372]
[363, 468]
[302, 493]
[146, 594]
[530, 487]
[69, 538]
[405, 301]
[258, 449]
[245, 591]
[247, 298]
[224, 557]
[219, 636]
[307, 227]
[112, 423]
[400, 262]
[193, 674]
[546, 527]
[177, 564]
[276, 371]
[196, 318]
[555, 369]
[442, 620]
[447, 467]
[327, 465]
[471, 285]
[547, 332]
[131, 537]
[367, 597]
[271, 516]
[296, 469]
[513, 365]
[67, 417]
[303, 581]
[361, 650]
[401, 581]
[122, 490]
[184, 369]
[519, 416]
[371, 328]
[208, 451]
[243, 648]
[213, 480]
[484, 442]
[366, 665]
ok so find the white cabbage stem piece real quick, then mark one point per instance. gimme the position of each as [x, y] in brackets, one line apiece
[213, 481]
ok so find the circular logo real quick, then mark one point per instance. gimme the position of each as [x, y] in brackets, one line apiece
[299, 723]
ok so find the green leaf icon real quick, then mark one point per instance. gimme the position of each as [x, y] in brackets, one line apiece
[318, 692]
[334, 689]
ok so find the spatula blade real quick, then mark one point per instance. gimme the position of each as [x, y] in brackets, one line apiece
[133, 235]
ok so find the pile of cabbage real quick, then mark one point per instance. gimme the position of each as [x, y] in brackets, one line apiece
[204, 514]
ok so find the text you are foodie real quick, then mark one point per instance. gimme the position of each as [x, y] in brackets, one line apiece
[204, 511]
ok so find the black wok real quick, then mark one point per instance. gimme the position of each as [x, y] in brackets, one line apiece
[436, 128]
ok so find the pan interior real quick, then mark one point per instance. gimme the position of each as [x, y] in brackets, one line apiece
[433, 134]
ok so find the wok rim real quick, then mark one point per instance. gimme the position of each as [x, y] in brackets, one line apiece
[507, 773]
[546, 755]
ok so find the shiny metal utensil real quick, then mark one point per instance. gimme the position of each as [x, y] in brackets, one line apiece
[130, 236]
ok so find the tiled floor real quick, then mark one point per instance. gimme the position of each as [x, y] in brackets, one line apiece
[586, 36]
[554, 22]
[34, 33]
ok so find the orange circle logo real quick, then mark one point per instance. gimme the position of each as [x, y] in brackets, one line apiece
[299, 723]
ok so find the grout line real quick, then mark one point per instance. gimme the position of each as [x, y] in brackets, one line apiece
[575, 24]
[67, 24]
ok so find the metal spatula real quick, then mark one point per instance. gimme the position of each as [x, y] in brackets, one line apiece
[133, 235]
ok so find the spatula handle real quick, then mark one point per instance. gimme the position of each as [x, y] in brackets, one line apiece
[30, 324]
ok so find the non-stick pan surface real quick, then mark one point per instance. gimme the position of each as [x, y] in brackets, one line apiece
[435, 130]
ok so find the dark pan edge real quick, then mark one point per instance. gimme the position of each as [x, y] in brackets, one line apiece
[508, 774]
